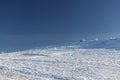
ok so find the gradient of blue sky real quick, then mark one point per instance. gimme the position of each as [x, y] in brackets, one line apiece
[57, 19]
[59, 16]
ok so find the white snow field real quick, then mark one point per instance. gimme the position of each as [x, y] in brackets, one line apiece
[63, 63]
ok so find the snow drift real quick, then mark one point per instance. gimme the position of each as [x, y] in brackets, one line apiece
[64, 63]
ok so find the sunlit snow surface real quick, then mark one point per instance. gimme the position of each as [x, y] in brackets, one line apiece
[61, 63]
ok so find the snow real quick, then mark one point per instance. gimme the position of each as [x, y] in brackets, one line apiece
[92, 61]
[106, 44]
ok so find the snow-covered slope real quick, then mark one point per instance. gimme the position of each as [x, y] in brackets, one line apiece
[107, 44]
[90, 60]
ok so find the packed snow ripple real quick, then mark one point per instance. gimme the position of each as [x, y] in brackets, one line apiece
[61, 63]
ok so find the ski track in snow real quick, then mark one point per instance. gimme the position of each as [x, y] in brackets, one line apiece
[62, 63]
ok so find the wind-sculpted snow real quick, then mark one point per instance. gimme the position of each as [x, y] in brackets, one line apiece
[61, 63]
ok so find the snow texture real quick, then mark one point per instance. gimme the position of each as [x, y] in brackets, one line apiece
[94, 60]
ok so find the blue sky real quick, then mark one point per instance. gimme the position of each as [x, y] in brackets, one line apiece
[56, 20]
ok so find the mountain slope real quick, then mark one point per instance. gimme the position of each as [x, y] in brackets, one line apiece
[61, 63]
[107, 44]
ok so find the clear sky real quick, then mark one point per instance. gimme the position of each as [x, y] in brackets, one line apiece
[56, 19]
